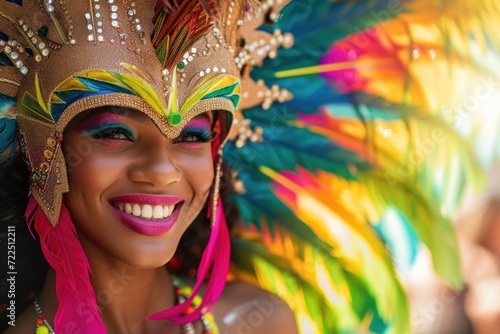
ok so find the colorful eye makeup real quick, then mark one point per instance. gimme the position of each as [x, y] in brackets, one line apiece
[108, 127]
[112, 132]
[113, 127]
[196, 132]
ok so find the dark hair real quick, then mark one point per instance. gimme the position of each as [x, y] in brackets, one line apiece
[14, 186]
[29, 264]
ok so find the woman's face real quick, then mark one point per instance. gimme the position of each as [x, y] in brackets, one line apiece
[133, 192]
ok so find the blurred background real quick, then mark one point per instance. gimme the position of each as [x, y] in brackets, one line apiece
[438, 309]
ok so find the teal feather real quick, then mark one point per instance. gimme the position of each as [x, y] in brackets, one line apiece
[8, 130]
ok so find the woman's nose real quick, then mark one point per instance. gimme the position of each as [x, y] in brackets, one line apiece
[156, 166]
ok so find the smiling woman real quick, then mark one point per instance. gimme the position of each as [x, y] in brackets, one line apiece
[142, 188]
[133, 194]
[122, 132]
[115, 115]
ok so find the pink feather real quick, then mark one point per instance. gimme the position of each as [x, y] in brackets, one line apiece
[77, 310]
[215, 257]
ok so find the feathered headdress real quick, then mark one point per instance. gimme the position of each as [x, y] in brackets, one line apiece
[171, 60]
[358, 128]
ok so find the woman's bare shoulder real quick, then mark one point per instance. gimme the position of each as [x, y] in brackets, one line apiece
[247, 309]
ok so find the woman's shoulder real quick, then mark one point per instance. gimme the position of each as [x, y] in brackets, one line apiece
[244, 308]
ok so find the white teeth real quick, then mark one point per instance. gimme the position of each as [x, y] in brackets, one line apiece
[136, 210]
[146, 211]
[166, 211]
[128, 208]
[158, 212]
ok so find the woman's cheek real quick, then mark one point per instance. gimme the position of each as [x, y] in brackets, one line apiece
[199, 169]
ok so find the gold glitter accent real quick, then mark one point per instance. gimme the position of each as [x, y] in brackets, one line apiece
[44, 167]
[216, 187]
[137, 103]
[48, 154]
[50, 197]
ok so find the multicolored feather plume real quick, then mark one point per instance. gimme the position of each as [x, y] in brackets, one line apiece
[369, 159]
[175, 32]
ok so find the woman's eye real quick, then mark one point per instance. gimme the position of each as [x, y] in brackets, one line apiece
[194, 136]
[115, 133]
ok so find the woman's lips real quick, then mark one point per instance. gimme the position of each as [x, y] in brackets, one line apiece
[147, 214]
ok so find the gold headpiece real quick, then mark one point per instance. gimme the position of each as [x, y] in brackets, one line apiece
[170, 60]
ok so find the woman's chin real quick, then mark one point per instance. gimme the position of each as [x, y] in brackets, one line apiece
[147, 264]
[147, 259]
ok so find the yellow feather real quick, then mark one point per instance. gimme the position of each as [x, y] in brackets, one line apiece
[173, 102]
[73, 83]
[210, 84]
[145, 91]
[134, 69]
[39, 96]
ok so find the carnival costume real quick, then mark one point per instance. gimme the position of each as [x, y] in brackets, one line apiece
[345, 142]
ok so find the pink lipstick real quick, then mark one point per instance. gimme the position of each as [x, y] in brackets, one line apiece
[150, 215]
